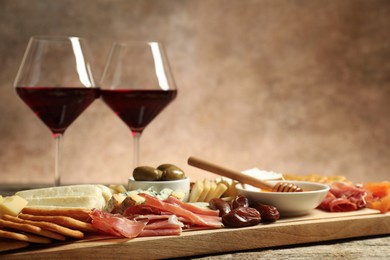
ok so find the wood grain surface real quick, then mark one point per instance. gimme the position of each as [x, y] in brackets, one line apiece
[316, 227]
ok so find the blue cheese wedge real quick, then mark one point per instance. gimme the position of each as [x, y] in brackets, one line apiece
[162, 195]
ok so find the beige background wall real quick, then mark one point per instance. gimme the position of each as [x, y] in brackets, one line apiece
[289, 86]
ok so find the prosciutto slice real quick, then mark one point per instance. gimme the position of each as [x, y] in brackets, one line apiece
[168, 226]
[161, 232]
[344, 197]
[189, 216]
[115, 224]
[120, 226]
[192, 208]
[170, 222]
[151, 217]
[342, 205]
[141, 209]
[155, 218]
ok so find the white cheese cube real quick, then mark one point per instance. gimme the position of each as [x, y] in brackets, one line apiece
[12, 205]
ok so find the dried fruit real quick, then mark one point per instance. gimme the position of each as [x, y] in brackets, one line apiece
[221, 205]
[379, 198]
[241, 217]
[240, 201]
[268, 213]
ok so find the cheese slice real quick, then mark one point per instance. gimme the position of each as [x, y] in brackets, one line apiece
[12, 205]
[206, 189]
[71, 190]
[106, 191]
[87, 202]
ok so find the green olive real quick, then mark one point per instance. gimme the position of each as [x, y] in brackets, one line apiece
[171, 172]
[162, 167]
[147, 173]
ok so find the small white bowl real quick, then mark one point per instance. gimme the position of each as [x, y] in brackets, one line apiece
[288, 203]
[182, 185]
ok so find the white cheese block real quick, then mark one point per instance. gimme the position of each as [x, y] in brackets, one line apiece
[71, 190]
[88, 202]
[79, 196]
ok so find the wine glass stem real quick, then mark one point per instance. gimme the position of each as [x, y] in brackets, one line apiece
[58, 141]
[137, 137]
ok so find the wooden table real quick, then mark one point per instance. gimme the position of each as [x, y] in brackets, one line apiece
[357, 248]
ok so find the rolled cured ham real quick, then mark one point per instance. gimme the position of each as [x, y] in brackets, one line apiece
[344, 197]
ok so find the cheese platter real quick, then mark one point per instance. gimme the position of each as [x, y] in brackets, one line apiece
[183, 220]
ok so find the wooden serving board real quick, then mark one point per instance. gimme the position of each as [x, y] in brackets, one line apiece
[315, 227]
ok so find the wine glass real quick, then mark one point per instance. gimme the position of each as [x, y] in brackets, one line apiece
[137, 85]
[56, 82]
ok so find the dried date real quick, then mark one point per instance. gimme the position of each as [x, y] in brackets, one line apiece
[221, 205]
[241, 217]
[268, 213]
[240, 201]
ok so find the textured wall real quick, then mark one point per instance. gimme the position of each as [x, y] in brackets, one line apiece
[289, 86]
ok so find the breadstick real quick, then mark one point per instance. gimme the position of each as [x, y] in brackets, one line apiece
[31, 229]
[61, 220]
[79, 214]
[24, 237]
[49, 226]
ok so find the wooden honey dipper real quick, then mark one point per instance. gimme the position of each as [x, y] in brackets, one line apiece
[243, 178]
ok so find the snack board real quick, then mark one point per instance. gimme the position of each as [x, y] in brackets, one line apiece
[314, 227]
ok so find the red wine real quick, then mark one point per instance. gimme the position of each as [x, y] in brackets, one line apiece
[57, 107]
[137, 108]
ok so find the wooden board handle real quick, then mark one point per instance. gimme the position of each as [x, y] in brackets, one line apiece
[235, 175]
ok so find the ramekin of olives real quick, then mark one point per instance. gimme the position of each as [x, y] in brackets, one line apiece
[164, 176]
